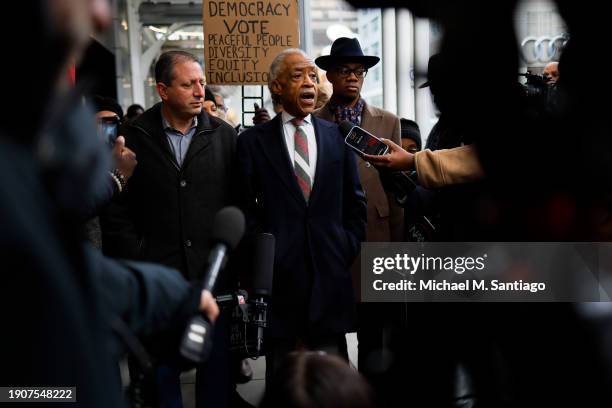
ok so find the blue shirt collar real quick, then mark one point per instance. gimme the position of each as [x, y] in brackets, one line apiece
[167, 125]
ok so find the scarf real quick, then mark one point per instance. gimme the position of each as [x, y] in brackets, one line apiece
[342, 112]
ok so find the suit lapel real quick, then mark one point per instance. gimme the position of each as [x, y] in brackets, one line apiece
[201, 139]
[369, 120]
[273, 145]
[323, 146]
[163, 146]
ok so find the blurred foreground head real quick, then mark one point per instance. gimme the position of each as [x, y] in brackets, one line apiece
[62, 30]
[314, 379]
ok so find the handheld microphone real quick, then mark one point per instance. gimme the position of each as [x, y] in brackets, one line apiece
[346, 127]
[262, 282]
[228, 229]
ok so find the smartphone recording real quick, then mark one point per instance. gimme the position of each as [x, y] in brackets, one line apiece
[108, 129]
[362, 141]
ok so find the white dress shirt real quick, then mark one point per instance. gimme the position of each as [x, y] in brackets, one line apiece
[289, 130]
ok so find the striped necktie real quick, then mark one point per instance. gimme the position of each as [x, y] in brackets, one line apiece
[301, 163]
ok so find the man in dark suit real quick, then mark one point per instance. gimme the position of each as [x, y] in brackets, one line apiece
[301, 184]
[346, 68]
[183, 178]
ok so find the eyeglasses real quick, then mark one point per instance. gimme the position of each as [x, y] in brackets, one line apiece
[345, 72]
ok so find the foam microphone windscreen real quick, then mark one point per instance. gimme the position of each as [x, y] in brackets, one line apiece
[345, 127]
[263, 247]
[228, 227]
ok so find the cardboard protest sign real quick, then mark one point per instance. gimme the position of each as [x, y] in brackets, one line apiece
[241, 38]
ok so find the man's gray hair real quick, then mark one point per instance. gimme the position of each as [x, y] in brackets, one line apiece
[275, 66]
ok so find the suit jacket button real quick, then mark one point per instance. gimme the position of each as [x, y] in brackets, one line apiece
[183, 183]
[188, 244]
[367, 164]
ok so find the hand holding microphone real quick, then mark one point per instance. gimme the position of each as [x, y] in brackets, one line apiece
[208, 306]
[228, 228]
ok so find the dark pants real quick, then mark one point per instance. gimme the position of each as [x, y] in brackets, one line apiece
[427, 343]
[213, 386]
[373, 349]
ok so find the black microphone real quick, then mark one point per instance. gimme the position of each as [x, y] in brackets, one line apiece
[264, 264]
[228, 229]
[264, 247]
[346, 127]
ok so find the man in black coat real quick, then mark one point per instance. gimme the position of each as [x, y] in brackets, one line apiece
[301, 184]
[183, 178]
[185, 159]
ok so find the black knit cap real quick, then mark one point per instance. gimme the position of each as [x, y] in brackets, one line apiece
[409, 129]
[209, 96]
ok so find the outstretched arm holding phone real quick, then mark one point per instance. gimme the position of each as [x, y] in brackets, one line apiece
[435, 169]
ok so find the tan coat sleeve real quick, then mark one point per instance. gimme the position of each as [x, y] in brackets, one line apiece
[447, 167]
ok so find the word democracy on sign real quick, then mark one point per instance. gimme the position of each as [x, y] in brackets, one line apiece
[240, 9]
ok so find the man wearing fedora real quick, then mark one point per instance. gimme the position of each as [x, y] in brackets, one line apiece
[347, 68]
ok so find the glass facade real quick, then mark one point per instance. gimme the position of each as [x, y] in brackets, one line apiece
[540, 32]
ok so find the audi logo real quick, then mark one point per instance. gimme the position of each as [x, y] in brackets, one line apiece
[542, 49]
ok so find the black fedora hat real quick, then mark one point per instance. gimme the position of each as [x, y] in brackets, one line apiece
[345, 50]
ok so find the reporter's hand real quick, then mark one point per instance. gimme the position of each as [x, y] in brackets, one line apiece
[261, 115]
[124, 158]
[396, 159]
[208, 305]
